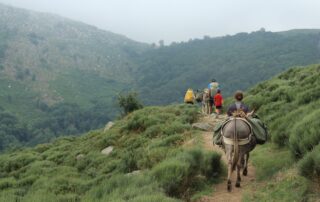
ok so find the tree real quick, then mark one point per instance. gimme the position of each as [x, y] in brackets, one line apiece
[161, 43]
[129, 102]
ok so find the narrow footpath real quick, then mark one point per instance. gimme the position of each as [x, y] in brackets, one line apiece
[220, 193]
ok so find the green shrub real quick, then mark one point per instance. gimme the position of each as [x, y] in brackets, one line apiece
[129, 103]
[153, 131]
[6, 183]
[181, 175]
[268, 160]
[286, 187]
[27, 181]
[212, 166]
[305, 134]
[152, 156]
[309, 165]
[173, 176]
[171, 140]
[126, 188]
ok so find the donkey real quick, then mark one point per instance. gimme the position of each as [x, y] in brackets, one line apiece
[238, 141]
[205, 101]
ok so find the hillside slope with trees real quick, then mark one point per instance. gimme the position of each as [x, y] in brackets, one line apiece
[237, 62]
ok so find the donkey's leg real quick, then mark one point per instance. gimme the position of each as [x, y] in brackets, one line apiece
[245, 169]
[238, 172]
[229, 157]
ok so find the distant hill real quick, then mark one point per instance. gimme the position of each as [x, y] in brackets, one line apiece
[237, 62]
[56, 59]
[58, 76]
[300, 31]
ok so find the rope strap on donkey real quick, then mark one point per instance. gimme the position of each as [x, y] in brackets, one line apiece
[240, 141]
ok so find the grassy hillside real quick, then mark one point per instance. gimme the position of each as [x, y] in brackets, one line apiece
[148, 162]
[289, 103]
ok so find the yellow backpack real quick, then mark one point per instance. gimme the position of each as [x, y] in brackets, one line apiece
[189, 97]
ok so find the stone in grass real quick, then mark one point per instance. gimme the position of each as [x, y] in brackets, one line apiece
[107, 150]
[108, 126]
[203, 126]
[79, 156]
[136, 172]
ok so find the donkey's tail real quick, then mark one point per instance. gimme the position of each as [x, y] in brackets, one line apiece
[235, 158]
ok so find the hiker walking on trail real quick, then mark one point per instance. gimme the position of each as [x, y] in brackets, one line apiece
[189, 97]
[213, 87]
[259, 129]
[238, 105]
[218, 101]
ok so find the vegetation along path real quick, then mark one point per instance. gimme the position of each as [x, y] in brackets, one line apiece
[220, 192]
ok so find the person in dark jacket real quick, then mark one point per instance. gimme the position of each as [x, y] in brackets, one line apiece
[238, 104]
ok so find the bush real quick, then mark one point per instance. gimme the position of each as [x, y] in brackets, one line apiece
[179, 176]
[305, 134]
[173, 176]
[125, 188]
[129, 103]
[309, 166]
[212, 166]
[269, 160]
[7, 183]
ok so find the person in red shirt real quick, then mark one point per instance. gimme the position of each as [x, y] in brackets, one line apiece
[218, 101]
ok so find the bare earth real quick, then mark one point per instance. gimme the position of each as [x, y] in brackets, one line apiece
[220, 192]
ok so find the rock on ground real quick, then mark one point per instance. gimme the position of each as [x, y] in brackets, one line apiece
[107, 150]
[203, 126]
[80, 156]
[108, 126]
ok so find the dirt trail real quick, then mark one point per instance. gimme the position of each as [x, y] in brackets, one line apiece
[220, 192]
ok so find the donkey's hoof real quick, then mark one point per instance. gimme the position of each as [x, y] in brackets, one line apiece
[245, 172]
[237, 184]
[229, 187]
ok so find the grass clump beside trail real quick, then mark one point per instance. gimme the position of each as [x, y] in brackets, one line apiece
[148, 162]
[289, 104]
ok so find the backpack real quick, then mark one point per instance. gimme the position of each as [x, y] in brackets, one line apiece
[189, 97]
[214, 86]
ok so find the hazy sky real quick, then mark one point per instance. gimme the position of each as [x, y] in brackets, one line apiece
[180, 20]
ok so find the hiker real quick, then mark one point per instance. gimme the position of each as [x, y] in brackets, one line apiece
[213, 87]
[218, 101]
[189, 97]
[238, 105]
[205, 101]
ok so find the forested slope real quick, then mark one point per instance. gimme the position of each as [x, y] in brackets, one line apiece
[57, 76]
[237, 62]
